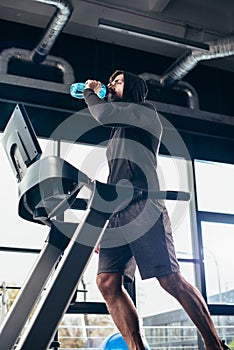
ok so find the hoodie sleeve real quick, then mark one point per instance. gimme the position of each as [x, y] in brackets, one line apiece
[120, 114]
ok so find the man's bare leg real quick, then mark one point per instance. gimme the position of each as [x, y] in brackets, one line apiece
[195, 306]
[121, 308]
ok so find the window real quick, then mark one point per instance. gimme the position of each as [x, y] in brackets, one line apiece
[215, 190]
[16, 265]
[218, 243]
[92, 161]
[161, 313]
[215, 193]
[174, 174]
[152, 300]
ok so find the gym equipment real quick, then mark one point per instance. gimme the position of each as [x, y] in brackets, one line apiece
[117, 342]
[47, 187]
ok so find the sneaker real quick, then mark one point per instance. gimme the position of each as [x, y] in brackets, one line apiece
[225, 347]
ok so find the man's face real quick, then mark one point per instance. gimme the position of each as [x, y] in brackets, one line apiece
[116, 88]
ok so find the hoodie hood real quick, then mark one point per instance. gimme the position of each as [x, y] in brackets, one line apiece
[135, 88]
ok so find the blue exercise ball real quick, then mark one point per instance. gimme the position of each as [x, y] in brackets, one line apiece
[117, 342]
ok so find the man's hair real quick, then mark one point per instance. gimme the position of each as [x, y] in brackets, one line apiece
[115, 74]
[135, 88]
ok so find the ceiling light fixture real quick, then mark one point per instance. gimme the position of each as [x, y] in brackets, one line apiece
[152, 35]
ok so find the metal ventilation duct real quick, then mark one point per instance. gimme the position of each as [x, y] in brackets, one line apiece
[192, 96]
[26, 56]
[218, 49]
[173, 75]
[54, 27]
[40, 54]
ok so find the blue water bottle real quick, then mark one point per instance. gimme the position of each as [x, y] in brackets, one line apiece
[76, 90]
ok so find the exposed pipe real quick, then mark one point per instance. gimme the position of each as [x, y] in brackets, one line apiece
[193, 100]
[218, 49]
[189, 90]
[26, 56]
[172, 76]
[40, 53]
[54, 27]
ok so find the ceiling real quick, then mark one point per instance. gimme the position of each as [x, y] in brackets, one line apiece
[198, 20]
[202, 21]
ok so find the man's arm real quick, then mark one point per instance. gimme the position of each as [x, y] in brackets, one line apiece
[120, 114]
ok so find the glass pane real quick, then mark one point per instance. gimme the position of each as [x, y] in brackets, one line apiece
[166, 325]
[87, 288]
[225, 328]
[47, 146]
[218, 243]
[85, 331]
[173, 175]
[89, 159]
[90, 331]
[215, 190]
[153, 300]
[15, 267]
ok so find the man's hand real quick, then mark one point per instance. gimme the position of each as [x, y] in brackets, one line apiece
[94, 85]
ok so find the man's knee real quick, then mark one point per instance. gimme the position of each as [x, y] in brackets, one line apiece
[109, 284]
[173, 283]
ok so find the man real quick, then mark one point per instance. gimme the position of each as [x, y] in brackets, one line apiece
[140, 233]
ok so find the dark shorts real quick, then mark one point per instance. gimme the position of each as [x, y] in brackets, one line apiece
[139, 235]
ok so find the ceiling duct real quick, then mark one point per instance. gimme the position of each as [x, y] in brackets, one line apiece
[192, 96]
[218, 49]
[38, 59]
[184, 64]
[54, 27]
[26, 56]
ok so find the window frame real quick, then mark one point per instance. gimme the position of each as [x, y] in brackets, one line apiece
[210, 217]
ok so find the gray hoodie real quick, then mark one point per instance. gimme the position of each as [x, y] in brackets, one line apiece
[135, 137]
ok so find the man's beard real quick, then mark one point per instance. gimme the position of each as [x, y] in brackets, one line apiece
[112, 97]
